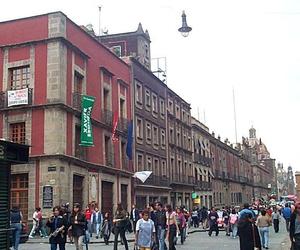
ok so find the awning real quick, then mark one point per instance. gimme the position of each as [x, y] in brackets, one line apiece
[211, 173]
[199, 170]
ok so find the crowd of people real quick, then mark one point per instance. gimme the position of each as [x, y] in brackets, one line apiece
[159, 226]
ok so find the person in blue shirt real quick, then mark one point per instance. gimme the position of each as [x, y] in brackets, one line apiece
[286, 213]
[246, 211]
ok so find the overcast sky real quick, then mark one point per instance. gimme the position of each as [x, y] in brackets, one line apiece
[252, 46]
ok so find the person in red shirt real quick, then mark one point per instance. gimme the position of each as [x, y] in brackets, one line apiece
[88, 216]
[269, 211]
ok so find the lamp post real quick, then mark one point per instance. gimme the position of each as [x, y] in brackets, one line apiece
[184, 29]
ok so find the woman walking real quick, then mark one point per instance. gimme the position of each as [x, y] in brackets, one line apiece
[78, 226]
[263, 223]
[120, 221]
[233, 220]
[106, 228]
[58, 227]
[295, 228]
[145, 232]
[172, 227]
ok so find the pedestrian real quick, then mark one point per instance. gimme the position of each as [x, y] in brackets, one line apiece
[35, 221]
[172, 227]
[120, 220]
[181, 223]
[145, 232]
[88, 216]
[286, 213]
[276, 219]
[96, 220]
[160, 225]
[78, 226]
[248, 233]
[204, 216]
[263, 223]
[233, 221]
[213, 222]
[58, 227]
[295, 228]
[106, 228]
[195, 217]
[134, 216]
[16, 224]
[41, 226]
[226, 221]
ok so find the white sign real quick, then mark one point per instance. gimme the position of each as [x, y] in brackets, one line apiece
[17, 97]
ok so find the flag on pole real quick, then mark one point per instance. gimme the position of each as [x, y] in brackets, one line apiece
[114, 136]
[142, 175]
[129, 140]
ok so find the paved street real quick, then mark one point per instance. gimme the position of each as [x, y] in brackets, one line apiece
[195, 241]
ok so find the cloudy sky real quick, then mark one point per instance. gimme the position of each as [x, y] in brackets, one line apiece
[252, 46]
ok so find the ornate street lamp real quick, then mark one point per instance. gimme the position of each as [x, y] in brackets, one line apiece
[184, 29]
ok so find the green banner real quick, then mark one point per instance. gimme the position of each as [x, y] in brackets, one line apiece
[86, 135]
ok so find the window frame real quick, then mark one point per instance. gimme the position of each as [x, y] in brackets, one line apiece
[12, 81]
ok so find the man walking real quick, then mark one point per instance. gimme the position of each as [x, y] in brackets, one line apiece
[160, 225]
[286, 213]
[134, 217]
[213, 222]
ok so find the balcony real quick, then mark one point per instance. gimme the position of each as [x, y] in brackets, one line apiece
[81, 153]
[205, 161]
[122, 124]
[183, 180]
[107, 117]
[76, 101]
[109, 159]
[155, 180]
[4, 99]
[203, 185]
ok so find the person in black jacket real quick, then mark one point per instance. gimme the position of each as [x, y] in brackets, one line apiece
[16, 224]
[248, 233]
[134, 216]
[78, 226]
[58, 227]
[295, 228]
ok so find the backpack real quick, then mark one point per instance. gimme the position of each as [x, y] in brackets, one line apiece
[233, 218]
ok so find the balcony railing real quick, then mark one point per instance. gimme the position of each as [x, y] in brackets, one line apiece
[109, 159]
[155, 180]
[76, 101]
[205, 161]
[4, 99]
[107, 117]
[81, 153]
[203, 185]
[123, 124]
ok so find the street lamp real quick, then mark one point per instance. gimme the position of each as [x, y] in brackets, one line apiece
[184, 29]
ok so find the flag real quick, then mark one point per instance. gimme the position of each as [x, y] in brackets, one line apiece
[129, 140]
[86, 133]
[143, 175]
[114, 136]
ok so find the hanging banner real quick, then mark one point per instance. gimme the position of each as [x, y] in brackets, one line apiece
[17, 97]
[86, 135]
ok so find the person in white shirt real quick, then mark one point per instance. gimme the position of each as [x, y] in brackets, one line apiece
[145, 232]
[35, 221]
[96, 221]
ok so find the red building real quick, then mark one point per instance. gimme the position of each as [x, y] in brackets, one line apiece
[47, 63]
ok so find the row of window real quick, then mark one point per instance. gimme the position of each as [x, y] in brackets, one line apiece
[179, 112]
[151, 163]
[149, 100]
[181, 138]
[153, 134]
